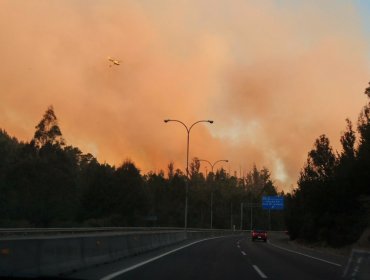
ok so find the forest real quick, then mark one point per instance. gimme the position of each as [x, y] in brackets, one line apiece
[47, 183]
[331, 204]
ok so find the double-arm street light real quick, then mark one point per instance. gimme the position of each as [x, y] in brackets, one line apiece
[188, 129]
[212, 165]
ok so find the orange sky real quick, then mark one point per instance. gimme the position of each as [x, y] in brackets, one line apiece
[273, 75]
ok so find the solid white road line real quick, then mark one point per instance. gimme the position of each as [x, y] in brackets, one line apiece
[243, 253]
[259, 271]
[115, 274]
[308, 256]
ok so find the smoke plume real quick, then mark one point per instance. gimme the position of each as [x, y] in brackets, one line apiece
[273, 75]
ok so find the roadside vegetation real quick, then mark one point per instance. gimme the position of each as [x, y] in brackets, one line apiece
[47, 183]
[331, 204]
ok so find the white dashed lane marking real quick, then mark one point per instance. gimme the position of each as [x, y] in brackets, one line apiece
[259, 271]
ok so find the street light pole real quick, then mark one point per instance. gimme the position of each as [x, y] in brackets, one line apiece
[212, 165]
[188, 129]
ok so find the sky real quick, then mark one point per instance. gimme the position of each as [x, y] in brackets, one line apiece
[272, 75]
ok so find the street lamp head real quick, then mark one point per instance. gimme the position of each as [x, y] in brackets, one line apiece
[166, 121]
[210, 121]
[226, 160]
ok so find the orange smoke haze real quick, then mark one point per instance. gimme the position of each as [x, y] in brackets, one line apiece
[272, 75]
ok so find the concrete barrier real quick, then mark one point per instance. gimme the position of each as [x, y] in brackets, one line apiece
[55, 255]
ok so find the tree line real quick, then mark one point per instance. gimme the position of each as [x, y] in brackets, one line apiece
[47, 183]
[331, 203]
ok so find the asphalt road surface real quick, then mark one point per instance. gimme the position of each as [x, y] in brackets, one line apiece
[235, 257]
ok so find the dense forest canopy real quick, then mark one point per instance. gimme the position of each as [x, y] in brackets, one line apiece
[46, 182]
[332, 201]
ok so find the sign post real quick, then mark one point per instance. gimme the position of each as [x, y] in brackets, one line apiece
[251, 206]
[272, 203]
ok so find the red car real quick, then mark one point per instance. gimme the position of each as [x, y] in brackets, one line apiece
[259, 235]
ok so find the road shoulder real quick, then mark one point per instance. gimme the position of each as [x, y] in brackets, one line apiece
[282, 240]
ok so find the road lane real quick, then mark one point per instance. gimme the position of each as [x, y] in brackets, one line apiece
[137, 265]
[213, 259]
[281, 264]
[235, 257]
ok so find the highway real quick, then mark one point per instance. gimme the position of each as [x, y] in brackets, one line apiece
[235, 257]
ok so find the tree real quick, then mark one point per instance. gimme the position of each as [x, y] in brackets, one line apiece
[9, 149]
[258, 182]
[363, 162]
[367, 90]
[129, 198]
[158, 192]
[9, 155]
[362, 174]
[48, 131]
[321, 159]
[97, 189]
[314, 184]
[348, 140]
[328, 205]
[170, 172]
[194, 168]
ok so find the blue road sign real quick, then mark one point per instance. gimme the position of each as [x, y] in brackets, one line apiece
[273, 202]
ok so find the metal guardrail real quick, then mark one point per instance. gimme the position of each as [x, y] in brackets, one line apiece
[8, 232]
